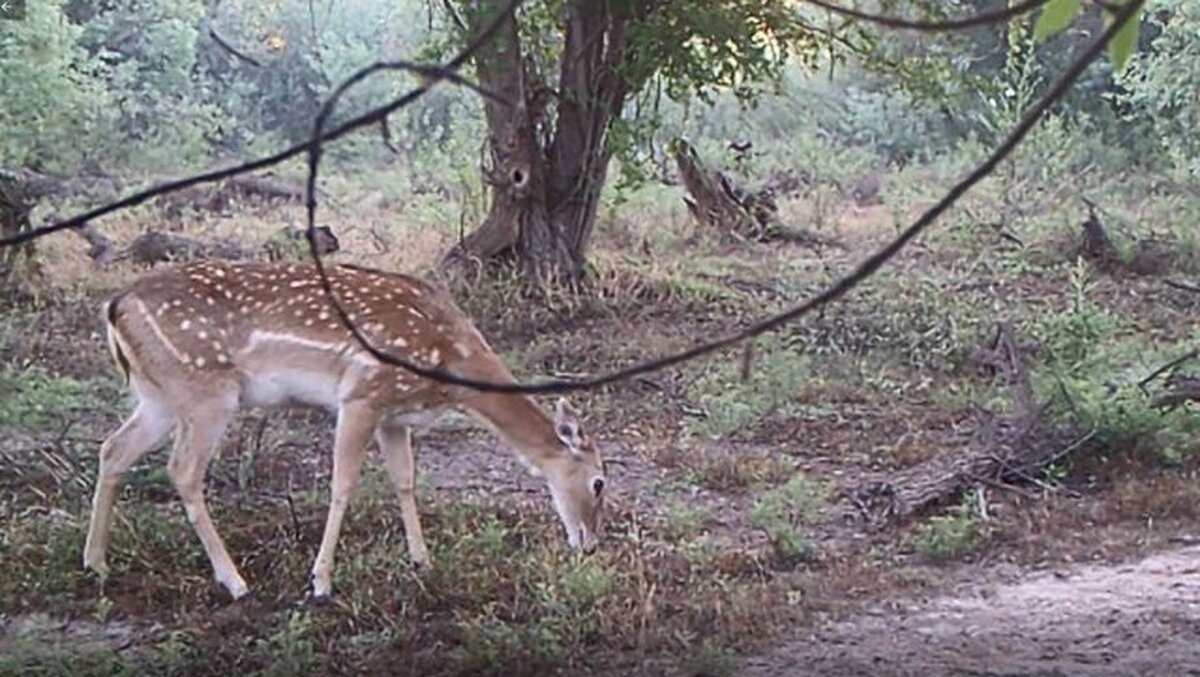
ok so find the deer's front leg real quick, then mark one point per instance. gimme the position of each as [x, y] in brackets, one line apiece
[356, 421]
[396, 444]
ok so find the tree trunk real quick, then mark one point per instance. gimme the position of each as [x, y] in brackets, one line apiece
[546, 176]
[16, 263]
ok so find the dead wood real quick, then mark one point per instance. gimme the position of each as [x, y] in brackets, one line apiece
[16, 205]
[222, 198]
[292, 243]
[1147, 256]
[267, 186]
[39, 186]
[1180, 389]
[718, 201]
[156, 246]
[1183, 286]
[1096, 246]
[101, 248]
[1011, 448]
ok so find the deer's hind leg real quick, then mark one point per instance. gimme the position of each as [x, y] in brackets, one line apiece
[200, 431]
[145, 428]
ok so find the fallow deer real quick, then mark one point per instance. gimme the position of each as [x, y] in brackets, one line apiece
[197, 342]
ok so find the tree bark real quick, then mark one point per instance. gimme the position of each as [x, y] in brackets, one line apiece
[546, 175]
[18, 264]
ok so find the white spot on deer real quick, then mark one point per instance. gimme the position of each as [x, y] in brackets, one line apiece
[202, 334]
[400, 342]
[222, 359]
[434, 356]
[462, 349]
[185, 325]
[219, 273]
[199, 362]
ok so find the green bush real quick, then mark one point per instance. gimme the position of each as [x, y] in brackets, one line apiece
[952, 535]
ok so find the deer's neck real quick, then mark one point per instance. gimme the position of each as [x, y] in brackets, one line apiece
[522, 424]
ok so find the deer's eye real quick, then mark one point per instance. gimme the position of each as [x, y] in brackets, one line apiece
[598, 486]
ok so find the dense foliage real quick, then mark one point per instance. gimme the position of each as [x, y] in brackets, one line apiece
[143, 88]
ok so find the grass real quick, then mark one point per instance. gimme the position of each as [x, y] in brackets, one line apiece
[783, 512]
[737, 395]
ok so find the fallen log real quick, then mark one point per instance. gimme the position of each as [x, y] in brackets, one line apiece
[156, 246]
[1013, 448]
[221, 198]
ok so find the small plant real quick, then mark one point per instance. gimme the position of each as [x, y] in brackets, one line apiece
[292, 649]
[777, 375]
[947, 536]
[781, 512]
[709, 660]
[1090, 377]
[491, 646]
[1071, 337]
[683, 521]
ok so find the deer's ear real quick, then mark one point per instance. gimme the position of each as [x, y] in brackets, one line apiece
[566, 425]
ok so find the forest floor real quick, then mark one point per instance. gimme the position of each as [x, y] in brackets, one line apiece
[729, 549]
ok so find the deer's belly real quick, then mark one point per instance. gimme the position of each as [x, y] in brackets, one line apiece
[283, 387]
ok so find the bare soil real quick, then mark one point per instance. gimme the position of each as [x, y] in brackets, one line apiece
[1130, 619]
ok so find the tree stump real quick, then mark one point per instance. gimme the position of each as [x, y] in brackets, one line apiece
[717, 201]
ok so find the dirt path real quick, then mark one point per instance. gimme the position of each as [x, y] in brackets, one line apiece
[1140, 618]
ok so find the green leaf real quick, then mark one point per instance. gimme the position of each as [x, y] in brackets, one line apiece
[1121, 46]
[1055, 16]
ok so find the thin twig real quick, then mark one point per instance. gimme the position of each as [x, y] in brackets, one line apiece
[973, 21]
[386, 133]
[223, 44]
[1183, 286]
[1190, 355]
